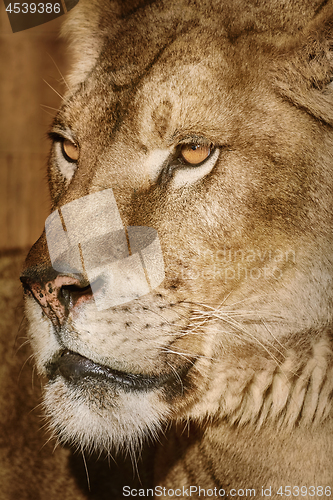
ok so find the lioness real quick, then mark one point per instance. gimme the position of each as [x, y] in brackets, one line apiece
[211, 124]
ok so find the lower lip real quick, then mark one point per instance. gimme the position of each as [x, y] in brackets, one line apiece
[76, 368]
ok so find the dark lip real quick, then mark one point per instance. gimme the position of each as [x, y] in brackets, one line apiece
[76, 368]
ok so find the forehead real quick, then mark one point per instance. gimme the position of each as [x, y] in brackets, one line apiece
[199, 69]
[188, 84]
[187, 56]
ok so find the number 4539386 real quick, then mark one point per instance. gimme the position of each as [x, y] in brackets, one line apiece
[311, 491]
[33, 8]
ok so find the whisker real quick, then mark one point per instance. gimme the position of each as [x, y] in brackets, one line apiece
[185, 354]
[26, 342]
[23, 320]
[48, 107]
[26, 361]
[40, 405]
[182, 354]
[50, 114]
[54, 90]
[271, 333]
[177, 376]
[134, 463]
[86, 468]
[56, 444]
[60, 73]
[228, 317]
[32, 377]
[238, 327]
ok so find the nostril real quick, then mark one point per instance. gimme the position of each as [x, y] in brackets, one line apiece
[76, 288]
[73, 293]
[50, 289]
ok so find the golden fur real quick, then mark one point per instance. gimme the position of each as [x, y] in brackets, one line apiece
[241, 327]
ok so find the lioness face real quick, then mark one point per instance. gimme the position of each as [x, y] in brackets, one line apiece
[192, 131]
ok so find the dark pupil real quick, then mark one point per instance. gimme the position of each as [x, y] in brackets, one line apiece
[194, 147]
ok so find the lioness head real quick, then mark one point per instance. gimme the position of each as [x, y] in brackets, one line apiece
[211, 124]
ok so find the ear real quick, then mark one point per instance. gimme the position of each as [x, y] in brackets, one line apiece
[87, 27]
[306, 74]
[82, 29]
[90, 25]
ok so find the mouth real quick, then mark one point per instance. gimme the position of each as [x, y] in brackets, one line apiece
[76, 369]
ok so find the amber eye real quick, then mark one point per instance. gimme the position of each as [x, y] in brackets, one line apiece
[70, 150]
[195, 153]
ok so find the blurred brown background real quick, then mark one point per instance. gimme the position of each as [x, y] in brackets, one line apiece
[25, 61]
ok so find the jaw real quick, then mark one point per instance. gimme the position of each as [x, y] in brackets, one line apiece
[100, 408]
[111, 406]
[96, 417]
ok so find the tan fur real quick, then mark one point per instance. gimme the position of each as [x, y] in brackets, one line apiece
[243, 319]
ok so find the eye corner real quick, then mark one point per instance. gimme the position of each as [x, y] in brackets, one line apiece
[54, 136]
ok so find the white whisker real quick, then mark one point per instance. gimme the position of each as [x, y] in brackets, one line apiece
[86, 468]
[54, 90]
[177, 376]
[60, 73]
